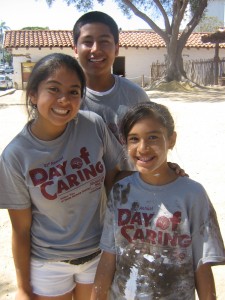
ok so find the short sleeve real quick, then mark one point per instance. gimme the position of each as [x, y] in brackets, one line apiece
[207, 240]
[107, 242]
[143, 97]
[13, 191]
[113, 151]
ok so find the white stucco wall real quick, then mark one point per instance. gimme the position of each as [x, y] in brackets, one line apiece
[137, 61]
[33, 55]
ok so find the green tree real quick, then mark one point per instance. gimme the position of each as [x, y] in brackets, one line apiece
[8, 57]
[35, 28]
[3, 27]
[208, 24]
[173, 12]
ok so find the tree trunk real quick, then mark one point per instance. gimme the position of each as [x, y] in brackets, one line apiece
[174, 62]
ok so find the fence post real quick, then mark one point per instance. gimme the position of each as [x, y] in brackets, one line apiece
[142, 80]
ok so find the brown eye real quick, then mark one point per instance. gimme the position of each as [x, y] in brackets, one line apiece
[54, 89]
[153, 137]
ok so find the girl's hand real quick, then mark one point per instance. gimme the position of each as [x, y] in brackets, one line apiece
[177, 169]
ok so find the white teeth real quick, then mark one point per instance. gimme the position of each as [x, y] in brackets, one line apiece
[60, 111]
[145, 159]
[96, 60]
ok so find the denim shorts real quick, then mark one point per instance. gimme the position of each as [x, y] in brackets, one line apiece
[53, 279]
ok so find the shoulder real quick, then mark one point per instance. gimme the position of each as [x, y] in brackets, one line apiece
[91, 123]
[190, 185]
[17, 145]
[126, 82]
[132, 88]
[89, 116]
[123, 174]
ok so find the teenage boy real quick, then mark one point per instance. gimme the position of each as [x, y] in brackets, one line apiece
[96, 45]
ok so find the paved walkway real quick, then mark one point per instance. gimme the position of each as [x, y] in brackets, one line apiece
[200, 148]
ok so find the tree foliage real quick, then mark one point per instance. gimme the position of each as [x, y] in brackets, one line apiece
[3, 27]
[35, 28]
[209, 24]
[173, 12]
[6, 56]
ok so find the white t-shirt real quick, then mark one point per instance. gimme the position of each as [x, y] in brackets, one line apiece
[160, 235]
[63, 182]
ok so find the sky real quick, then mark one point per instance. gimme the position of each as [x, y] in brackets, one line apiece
[26, 13]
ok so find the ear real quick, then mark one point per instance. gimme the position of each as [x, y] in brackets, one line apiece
[172, 140]
[117, 49]
[33, 98]
[75, 52]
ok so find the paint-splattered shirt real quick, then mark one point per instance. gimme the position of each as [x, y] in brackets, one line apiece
[160, 235]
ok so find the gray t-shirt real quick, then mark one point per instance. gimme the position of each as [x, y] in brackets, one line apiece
[63, 181]
[113, 105]
[160, 235]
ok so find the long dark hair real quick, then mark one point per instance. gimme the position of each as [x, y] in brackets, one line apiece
[45, 67]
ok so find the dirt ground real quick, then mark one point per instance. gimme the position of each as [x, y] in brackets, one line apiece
[200, 150]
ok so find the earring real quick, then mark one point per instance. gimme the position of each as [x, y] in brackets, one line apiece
[33, 111]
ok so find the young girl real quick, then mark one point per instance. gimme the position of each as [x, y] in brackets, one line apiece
[161, 234]
[52, 178]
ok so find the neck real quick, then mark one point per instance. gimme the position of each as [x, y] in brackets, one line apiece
[44, 133]
[159, 177]
[99, 83]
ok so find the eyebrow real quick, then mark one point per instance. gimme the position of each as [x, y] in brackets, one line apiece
[57, 82]
[149, 132]
[101, 36]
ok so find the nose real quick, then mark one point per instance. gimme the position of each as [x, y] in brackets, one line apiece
[62, 98]
[95, 47]
[143, 146]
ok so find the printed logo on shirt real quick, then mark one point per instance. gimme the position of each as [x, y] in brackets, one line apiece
[58, 182]
[164, 230]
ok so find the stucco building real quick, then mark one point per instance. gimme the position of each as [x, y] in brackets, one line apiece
[138, 50]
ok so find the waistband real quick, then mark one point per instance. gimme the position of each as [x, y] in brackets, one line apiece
[82, 260]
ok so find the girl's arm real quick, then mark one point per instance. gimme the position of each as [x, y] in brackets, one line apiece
[204, 283]
[21, 224]
[104, 276]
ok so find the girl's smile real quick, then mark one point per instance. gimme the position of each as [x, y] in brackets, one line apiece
[58, 100]
[148, 144]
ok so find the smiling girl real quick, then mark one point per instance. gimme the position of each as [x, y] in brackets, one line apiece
[161, 234]
[52, 177]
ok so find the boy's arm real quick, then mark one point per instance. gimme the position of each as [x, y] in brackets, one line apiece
[21, 224]
[177, 169]
[104, 276]
[204, 283]
[110, 178]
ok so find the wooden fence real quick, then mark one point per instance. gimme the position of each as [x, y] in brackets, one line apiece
[201, 72]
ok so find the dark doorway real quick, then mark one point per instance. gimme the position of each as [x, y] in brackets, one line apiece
[119, 66]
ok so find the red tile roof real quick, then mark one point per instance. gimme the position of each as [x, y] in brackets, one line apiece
[38, 38]
[64, 38]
